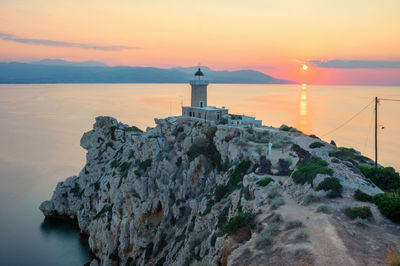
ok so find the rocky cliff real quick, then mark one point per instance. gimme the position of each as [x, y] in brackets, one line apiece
[187, 191]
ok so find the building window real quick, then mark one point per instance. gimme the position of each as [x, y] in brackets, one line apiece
[198, 115]
[218, 116]
[190, 113]
[201, 104]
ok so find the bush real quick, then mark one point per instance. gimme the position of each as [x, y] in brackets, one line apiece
[302, 233]
[324, 209]
[360, 212]
[133, 129]
[384, 178]
[393, 257]
[331, 184]
[265, 166]
[239, 172]
[311, 197]
[241, 220]
[348, 154]
[264, 238]
[209, 206]
[360, 221]
[206, 147]
[389, 205]
[361, 196]
[293, 224]
[308, 170]
[264, 182]
[316, 144]
[287, 128]
[274, 193]
[301, 153]
[221, 191]
[276, 203]
[283, 166]
[313, 136]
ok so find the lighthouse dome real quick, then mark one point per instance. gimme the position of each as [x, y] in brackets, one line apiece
[199, 73]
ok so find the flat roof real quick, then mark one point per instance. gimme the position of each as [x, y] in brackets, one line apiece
[205, 108]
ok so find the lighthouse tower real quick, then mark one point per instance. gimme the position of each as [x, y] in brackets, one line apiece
[198, 107]
[199, 90]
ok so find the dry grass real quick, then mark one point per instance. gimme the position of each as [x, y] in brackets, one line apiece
[393, 257]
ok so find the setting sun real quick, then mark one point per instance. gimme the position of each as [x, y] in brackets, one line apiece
[305, 67]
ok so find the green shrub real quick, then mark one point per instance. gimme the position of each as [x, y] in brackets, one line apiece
[389, 205]
[265, 181]
[349, 154]
[284, 127]
[264, 238]
[301, 153]
[276, 203]
[206, 147]
[324, 209]
[221, 191]
[241, 220]
[361, 196]
[361, 212]
[331, 184]
[239, 172]
[133, 129]
[142, 167]
[313, 136]
[265, 166]
[316, 144]
[384, 178]
[283, 166]
[302, 233]
[148, 252]
[311, 197]
[360, 221]
[114, 164]
[274, 193]
[308, 170]
[293, 224]
[223, 217]
[210, 203]
[199, 146]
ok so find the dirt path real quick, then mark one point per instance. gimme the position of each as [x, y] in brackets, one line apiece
[323, 240]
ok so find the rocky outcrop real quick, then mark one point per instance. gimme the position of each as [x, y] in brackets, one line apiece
[171, 195]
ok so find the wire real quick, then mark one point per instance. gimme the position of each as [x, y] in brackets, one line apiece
[390, 100]
[345, 123]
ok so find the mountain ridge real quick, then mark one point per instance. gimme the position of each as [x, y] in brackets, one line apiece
[61, 71]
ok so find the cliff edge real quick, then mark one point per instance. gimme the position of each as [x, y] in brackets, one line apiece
[187, 191]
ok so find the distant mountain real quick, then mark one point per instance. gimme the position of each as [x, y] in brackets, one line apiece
[60, 62]
[60, 71]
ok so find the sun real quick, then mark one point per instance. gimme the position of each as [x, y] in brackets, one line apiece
[305, 67]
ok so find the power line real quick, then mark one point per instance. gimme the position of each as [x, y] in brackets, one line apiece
[389, 100]
[345, 123]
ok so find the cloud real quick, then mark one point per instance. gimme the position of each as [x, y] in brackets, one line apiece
[337, 63]
[10, 37]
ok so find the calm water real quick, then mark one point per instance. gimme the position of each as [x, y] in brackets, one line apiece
[41, 126]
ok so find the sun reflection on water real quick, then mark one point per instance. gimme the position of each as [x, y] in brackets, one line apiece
[303, 122]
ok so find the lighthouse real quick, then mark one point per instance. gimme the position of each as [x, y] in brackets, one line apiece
[199, 90]
[198, 104]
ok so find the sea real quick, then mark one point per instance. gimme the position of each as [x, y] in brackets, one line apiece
[41, 126]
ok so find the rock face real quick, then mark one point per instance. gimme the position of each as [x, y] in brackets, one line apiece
[171, 195]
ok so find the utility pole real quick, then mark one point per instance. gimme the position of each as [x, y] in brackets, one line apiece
[376, 132]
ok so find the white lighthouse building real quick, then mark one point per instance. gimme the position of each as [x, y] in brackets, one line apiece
[199, 107]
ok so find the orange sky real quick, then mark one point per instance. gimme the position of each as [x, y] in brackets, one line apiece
[275, 37]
